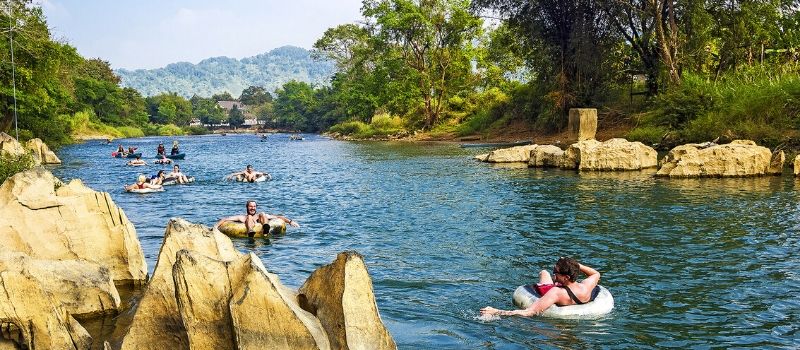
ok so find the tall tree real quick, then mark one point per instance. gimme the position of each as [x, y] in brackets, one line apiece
[255, 96]
[235, 117]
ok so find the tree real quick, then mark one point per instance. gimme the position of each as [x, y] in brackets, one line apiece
[223, 96]
[294, 105]
[235, 117]
[255, 96]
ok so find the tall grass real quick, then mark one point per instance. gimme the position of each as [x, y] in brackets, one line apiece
[382, 125]
[761, 104]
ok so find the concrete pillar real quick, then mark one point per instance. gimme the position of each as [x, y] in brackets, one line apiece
[582, 123]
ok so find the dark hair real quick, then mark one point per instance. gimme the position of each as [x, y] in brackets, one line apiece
[249, 165]
[159, 172]
[568, 267]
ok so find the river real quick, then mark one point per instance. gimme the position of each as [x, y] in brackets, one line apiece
[691, 263]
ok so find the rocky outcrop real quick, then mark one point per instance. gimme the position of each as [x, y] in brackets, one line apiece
[776, 163]
[206, 295]
[157, 320]
[582, 123]
[10, 146]
[546, 156]
[340, 295]
[614, 154]
[736, 159]
[516, 154]
[41, 153]
[45, 219]
[31, 317]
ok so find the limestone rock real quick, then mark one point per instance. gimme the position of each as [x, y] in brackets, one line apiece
[10, 146]
[72, 222]
[797, 165]
[31, 318]
[237, 305]
[582, 123]
[614, 154]
[78, 287]
[340, 295]
[736, 159]
[546, 156]
[41, 153]
[776, 163]
[482, 157]
[157, 320]
[521, 154]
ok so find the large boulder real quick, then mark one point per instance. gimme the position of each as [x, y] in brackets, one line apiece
[516, 154]
[736, 159]
[41, 153]
[156, 322]
[776, 163]
[215, 297]
[45, 219]
[614, 154]
[546, 156]
[31, 318]
[80, 288]
[10, 146]
[340, 295]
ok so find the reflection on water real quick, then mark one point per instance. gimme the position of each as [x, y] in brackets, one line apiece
[443, 235]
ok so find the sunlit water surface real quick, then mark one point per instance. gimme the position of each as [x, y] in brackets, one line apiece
[691, 263]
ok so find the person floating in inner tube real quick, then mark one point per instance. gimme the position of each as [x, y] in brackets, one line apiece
[248, 174]
[174, 148]
[178, 175]
[137, 162]
[163, 160]
[158, 178]
[120, 149]
[141, 183]
[160, 151]
[562, 289]
[252, 217]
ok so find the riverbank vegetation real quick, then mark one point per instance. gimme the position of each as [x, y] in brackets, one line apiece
[669, 72]
[662, 72]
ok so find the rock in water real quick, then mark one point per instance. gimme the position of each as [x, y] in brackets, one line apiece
[516, 154]
[546, 156]
[797, 165]
[340, 295]
[614, 154]
[736, 159]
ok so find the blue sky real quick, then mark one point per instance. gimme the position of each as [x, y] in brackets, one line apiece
[152, 34]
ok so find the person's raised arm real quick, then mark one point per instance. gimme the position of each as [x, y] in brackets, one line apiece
[283, 218]
[536, 308]
[235, 218]
[592, 275]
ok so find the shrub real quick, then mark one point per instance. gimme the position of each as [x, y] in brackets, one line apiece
[195, 130]
[350, 128]
[386, 124]
[648, 135]
[170, 130]
[129, 131]
[10, 165]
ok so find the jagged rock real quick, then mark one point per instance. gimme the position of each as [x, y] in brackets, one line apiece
[41, 153]
[797, 165]
[482, 157]
[234, 305]
[10, 146]
[521, 154]
[738, 158]
[340, 295]
[157, 321]
[78, 287]
[42, 218]
[614, 154]
[546, 156]
[776, 163]
[31, 318]
[582, 123]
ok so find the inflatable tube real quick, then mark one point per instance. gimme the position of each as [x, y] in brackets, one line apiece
[237, 229]
[172, 181]
[176, 156]
[133, 155]
[262, 178]
[524, 296]
[145, 190]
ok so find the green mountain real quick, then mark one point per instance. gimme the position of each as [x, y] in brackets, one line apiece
[219, 74]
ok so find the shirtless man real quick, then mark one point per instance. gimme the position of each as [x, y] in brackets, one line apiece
[565, 291]
[178, 175]
[248, 174]
[252, 217]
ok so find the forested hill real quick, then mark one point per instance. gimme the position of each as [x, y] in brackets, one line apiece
[219, 74]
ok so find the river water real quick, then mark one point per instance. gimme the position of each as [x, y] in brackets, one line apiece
[691, 263]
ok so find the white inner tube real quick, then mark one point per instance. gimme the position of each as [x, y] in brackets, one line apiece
[146, 190]
[524, 296]
[260, 178]
[174, 181]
